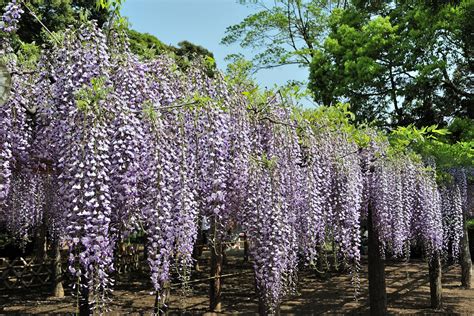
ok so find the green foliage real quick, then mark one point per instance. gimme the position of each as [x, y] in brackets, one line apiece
[88, 99]
[403, 137]
[447, 156]
[56, 15]
[284, 33]
[294, 91]
[239, 70]
[28, 55]
[470, 224]
[146, 45]
[433, 143]
[461, 130]
[335, 118]
[264, 161]
[187, 52]
[399, 63]
[150, 113]
[329, 117]
[190, 51]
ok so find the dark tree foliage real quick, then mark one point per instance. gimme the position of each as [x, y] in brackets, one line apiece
[55, 15]
[186, 52]
[188, 49]
[145, 44]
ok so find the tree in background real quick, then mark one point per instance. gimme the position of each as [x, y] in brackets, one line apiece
[55, 15]
[399, 63]
[285, 33]
[145, 44]
[188, 49]
[58, 15]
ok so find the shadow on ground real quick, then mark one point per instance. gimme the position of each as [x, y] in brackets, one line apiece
[407, 288]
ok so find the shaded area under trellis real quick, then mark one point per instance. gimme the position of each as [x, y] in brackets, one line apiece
[407, 289]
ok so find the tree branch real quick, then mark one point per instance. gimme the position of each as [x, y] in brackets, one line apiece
[272, 120]
[448, 81]
[276, 66]
[40, 22]
[168, 107]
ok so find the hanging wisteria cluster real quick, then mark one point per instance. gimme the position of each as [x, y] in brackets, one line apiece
[100, 144]
[274, 200]
[453, 206]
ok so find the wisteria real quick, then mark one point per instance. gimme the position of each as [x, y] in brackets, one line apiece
[270, 215]
[117, 145]
[393, 189]
[25, 202]
[11, 17]
[453, 206]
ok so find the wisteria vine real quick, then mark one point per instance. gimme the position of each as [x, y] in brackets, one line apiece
[143, 146]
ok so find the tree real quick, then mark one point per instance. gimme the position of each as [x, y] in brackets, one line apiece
[145, 44]
[286, 33]
[148, 46]
[58, 15]
[190, 50]
[398, 63]
[395, 62]
[186, 52]
[55, 15]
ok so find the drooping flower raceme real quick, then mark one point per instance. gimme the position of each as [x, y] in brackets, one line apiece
[11, 17]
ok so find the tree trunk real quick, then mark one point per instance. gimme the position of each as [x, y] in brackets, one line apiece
[466, 263]
[435, 281]
[377, 290]
[264, 311]
[58, 290]
[246, 248]
[198, 248]
[215, 286]
[41, 242]
[84, 306]
[161, 300]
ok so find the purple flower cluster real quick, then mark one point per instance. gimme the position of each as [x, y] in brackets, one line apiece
[333, 196]
[25, 203]
[393, 187]
[5, 153]
[79, 136]
[453, 206]
[11, 17]
[407, 205]
[117, 145]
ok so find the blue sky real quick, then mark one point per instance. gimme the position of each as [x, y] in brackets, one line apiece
[202, 22]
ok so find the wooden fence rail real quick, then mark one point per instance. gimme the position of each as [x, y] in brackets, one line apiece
[29, 272]
[21, 273]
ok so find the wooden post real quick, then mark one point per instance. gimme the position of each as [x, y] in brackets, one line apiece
[435, 281]
[215, 283]
[377, 290]
[466, 263]
[58, 290]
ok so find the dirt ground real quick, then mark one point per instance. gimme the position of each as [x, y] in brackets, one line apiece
[407, 291]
